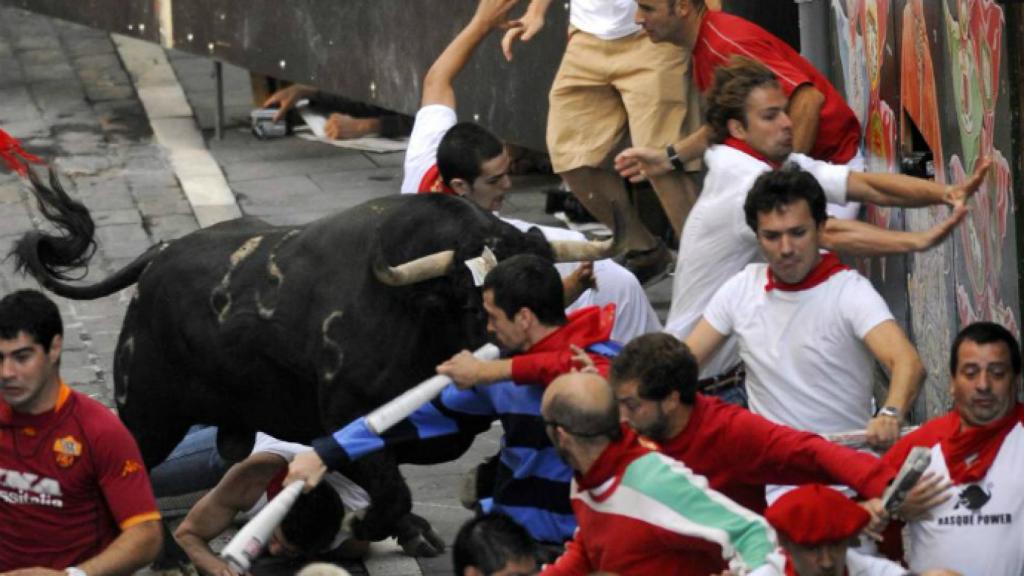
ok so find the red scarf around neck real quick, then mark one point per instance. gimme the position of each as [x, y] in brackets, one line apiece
[433, 183]
[828, 267]
[971, 451]
[745, 148]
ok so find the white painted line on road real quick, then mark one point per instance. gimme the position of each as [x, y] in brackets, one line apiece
[174, 128]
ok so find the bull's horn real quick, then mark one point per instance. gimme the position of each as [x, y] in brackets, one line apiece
[418, 270]
[575, 251]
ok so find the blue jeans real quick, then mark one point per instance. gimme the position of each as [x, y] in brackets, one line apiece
[192, 466]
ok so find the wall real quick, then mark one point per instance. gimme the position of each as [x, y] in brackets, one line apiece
[934, 67]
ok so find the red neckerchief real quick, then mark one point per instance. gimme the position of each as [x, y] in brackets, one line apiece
[432, 182]
[970, 452]
[745, 148]
[791, 571]
[612, 462]
[10, 150]
[828, 267]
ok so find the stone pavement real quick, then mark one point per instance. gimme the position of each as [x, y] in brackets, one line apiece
[65, 93]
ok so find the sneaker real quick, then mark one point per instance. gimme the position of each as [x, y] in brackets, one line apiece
[651, 265]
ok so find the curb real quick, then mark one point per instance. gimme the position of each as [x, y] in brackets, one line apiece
[174, 128]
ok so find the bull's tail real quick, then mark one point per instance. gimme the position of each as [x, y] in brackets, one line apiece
[51, 258]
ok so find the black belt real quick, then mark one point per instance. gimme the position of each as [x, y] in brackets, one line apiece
[728, 379]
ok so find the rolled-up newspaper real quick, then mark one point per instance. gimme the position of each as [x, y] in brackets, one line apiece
[393, 412]
[913, 467]
[859, 438]
[253, 537]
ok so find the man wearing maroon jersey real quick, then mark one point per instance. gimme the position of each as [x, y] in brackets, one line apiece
[76, 497]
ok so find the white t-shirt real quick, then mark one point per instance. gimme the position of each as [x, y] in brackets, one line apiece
[352, 495]
[615, 285]
[856, 565]
[634, 314]
[980, 530]
[717, 243]
[431, 124]
[807, 364]
[606, 19]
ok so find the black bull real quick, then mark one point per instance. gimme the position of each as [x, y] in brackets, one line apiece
[291, 330]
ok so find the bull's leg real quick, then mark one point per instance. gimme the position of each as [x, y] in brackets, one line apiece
[390, 509]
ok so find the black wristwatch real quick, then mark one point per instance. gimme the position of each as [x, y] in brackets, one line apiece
[673, 157]
[891, 412]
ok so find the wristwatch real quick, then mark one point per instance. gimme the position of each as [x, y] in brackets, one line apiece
[890, 411]
[74, 571]
[673, 157]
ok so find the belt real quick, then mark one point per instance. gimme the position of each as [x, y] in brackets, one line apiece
[732, 377]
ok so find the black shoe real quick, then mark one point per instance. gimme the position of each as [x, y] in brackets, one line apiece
[651, 265]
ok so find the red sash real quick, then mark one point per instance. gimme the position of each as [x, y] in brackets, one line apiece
[433, 183]
[828, 267]
[970, 452]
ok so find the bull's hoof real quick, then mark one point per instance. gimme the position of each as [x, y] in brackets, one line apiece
[418, 538]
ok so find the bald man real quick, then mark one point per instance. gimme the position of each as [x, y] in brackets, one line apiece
[639, 511]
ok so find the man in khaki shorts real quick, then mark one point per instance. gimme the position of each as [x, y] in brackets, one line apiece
[612, 77]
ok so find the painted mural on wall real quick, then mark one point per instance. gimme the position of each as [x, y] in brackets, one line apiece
[949, 87]
[974, 48]
[930, 286]
[865, 47]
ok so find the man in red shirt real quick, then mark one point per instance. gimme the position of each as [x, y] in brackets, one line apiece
[824, 127]
[76, 495]
[655, 382]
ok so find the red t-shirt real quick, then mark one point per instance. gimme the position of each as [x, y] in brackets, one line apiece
[723, 36]
[70, 480]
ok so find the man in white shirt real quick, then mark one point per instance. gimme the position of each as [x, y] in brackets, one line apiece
[809, 329]
[753, 135]
[465, 159]
[967, 513]
[612, 78]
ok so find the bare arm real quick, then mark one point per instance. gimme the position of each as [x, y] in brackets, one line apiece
[900, 190]
[804, 110]
[238, 491]
[704, 340]
[132, 550]
[526, 27]
[437, 84]
[862, 239]
[638, 163]
[893, 350]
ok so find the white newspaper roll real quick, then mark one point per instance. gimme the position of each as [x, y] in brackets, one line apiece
[250, 540]
[393, 412]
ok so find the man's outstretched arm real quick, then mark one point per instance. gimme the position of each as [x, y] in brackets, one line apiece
[899, 190]
[238, 491]
[858, 238]
[437, 84]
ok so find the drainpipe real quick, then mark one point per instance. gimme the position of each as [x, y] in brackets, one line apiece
[814, 32]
